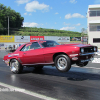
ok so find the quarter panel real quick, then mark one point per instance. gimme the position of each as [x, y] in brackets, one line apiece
[50, 51]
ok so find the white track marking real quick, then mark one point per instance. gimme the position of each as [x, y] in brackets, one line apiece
[27, 92]
[86, 67]
[96, 60]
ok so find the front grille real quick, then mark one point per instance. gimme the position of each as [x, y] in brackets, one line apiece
[88, 49]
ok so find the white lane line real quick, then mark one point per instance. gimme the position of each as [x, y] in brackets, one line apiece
[86, 67]
[27, 92]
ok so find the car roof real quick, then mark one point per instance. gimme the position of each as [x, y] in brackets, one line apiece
[38, 41]
[30, 42]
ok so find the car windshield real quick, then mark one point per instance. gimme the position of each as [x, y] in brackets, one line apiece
[48, 43]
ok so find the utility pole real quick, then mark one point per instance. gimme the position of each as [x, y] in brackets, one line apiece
[8, 25]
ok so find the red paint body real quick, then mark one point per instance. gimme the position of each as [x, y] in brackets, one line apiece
[46, 55]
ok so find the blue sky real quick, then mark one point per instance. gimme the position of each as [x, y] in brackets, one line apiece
[53, 14]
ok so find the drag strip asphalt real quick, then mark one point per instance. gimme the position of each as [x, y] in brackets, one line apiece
[78, 83]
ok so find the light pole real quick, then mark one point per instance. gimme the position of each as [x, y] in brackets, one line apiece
[8, 25]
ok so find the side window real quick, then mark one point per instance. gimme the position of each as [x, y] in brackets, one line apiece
[26, 48]
[35, 45]
[48, 43]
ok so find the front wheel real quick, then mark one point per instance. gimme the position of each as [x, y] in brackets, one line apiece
[81, 64]
[15, 66]
[63, 63]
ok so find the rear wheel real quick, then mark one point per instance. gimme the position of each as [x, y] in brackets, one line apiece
[15, 66]
[63, 63]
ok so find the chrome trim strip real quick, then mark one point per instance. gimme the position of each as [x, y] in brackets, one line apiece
[75, 58]
[87, 54]
[38, 64]
[73, 55]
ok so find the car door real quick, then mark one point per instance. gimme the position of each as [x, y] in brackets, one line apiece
[32, 54]
[49, 50]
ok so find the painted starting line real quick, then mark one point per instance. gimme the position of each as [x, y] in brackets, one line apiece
[16, 89]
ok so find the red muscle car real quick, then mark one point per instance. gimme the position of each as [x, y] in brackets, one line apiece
[47, 52]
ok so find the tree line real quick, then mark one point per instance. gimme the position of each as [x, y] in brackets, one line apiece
[15, 19]
[34, 31]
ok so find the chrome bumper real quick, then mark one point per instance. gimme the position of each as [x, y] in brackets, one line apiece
[87, 60]
[86, 54]
[6, 62]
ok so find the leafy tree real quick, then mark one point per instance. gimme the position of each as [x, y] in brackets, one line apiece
[84, 31]
[15, 19]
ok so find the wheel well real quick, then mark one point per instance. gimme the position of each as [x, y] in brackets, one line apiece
[11, 60]
[56, 54]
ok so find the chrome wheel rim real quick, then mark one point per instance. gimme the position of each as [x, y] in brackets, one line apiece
[62, 63]
[14, 66]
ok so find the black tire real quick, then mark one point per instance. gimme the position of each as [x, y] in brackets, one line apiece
[15, 66]
[63, 63]
[38, 67]
[81, 64]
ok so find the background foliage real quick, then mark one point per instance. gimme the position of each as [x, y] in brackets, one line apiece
[15, 19]
[34, 31]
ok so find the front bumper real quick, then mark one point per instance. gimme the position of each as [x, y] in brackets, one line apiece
[86, 54]
[84, 57]
[7, 62]
[91, 59]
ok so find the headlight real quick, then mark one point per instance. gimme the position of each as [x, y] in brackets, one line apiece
[94, 49]
[82, 50]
